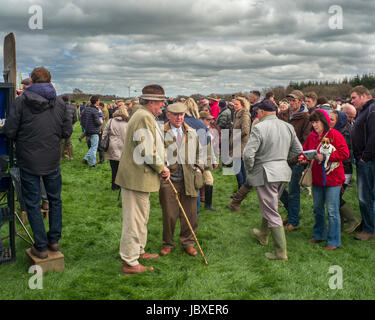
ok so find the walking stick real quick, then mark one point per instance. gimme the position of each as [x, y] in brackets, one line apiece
[187, 220]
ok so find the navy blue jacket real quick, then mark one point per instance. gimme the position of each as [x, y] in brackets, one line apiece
[90, 120]
[363, 133]
[37, 121]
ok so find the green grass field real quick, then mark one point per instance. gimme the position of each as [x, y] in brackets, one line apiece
[237, 266]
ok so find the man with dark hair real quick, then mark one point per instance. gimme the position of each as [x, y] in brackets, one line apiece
[311, 100]
[299, 118]
[140, 169]
[363, 139]
[66, 144]
[254, 98]
[91, 121]
[37, 121]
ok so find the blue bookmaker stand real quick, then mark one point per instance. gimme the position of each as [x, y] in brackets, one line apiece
[7, 253]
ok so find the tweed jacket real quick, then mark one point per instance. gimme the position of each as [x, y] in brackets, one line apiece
[190, 159]
[272, 142]
[142, 158]
[241, 121]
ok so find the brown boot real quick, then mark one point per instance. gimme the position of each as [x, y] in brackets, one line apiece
[241, 194]
[353, 222]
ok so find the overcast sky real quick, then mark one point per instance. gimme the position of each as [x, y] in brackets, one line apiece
[190, 46]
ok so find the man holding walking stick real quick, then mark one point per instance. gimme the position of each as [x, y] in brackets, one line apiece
[183, 161]
[140, 169]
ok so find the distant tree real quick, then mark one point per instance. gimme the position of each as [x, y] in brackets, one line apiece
[77, 91]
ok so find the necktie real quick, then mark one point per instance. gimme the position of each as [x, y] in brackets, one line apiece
[179, 137]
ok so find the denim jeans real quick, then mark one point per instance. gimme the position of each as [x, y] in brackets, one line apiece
[330, 196]
[91, 154]
[366, 194]
[291, 198]
[241, 176]
[31, 195]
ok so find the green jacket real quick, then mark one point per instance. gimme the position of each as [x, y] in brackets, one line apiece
[142, 158]
[190, 161]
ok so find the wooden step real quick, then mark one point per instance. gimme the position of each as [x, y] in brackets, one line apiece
[54, 262]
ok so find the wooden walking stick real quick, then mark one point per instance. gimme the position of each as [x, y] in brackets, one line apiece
[187, 220]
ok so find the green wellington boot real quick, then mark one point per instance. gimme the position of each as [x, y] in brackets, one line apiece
[263, 234]
[347, 212]
[278, 235]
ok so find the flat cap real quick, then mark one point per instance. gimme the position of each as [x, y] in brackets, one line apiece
[205, 115]
[296, 94]
[177, 107]
[267, 105]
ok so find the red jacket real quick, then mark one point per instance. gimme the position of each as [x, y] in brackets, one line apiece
[215, 110]
[337, 176]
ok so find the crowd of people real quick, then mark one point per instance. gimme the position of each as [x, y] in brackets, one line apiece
[149, 142]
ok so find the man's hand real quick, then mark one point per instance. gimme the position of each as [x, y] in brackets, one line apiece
[165, 174]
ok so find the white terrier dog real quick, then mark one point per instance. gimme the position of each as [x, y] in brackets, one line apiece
[327, 148]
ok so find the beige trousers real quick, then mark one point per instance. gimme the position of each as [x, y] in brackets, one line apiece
[269, 196]
[135, 214]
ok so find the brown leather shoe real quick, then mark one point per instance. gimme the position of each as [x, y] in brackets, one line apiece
[39, 254]
[165, 251]
[135, 269]
[315, 241]
[148, 256]
[54, 247]
[364, 236]
[331, 247]
[191, 251]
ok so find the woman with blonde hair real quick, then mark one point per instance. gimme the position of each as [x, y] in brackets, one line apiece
[192, 108]
[116, 128]
[242, 122]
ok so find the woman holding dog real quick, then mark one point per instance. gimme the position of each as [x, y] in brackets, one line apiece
[328, 177]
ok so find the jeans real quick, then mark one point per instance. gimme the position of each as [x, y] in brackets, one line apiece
[91, 154]
[366, 194]
[291, 199]
[241, 176]
[330, 196]
[31, 194]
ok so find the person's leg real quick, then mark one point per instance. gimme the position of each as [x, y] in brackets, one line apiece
[333, 206]
[135, 217]
[320, 230]
[91, 154]
[366, 194]
[294, 195]
[114, 167]
[30, 185]
[53, 185]
[170, 211]
[189, 205]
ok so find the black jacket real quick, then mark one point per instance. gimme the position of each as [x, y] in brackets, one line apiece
[37, 124]
[363, 133]
[72, 113]
[90, 120]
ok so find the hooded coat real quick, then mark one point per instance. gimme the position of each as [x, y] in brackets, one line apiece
[337, 176]
[343, 127]
[37, 121]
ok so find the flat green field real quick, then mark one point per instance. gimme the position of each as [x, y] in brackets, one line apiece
[237, 269]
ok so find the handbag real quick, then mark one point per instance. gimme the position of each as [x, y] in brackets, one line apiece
[198, 179]
[104, 142]
[306, 178]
